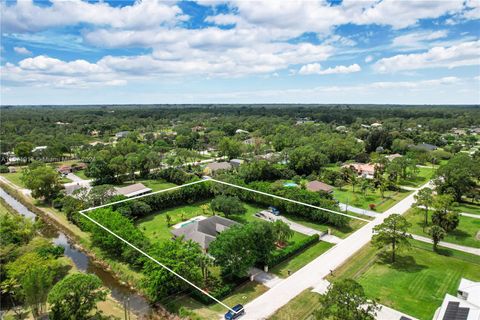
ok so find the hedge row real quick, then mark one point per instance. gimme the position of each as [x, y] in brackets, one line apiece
[173, 175]
[281, 255]
[164, 200]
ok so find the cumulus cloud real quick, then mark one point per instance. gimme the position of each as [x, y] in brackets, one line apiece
[25, 15]
[22, 50]
[463, 54]
[316, 68]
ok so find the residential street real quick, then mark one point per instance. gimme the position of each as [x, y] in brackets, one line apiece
[312, 274]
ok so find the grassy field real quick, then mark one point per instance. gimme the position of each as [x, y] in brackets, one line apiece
[422, 177]
[299, 308]
[243, 294]
[155, 227]
[465, 234]
[341, 232]
[301, 259]
[417, 283]
[81, 174]
[468, 207]
[357, 199]
[14, 177]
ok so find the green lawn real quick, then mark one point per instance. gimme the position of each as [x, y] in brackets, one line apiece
[423, 176]
[155, 227]
[468, 207]
[301, 259]
[465, 234]
[417, 283]
[81, 174]
[299, 308]
[14, 177]
[341, 232]
[243, 294]
[357, 199]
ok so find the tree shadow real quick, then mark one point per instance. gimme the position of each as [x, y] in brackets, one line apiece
[402, 263]
[459, 234]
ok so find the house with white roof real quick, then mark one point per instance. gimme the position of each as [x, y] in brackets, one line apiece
[465, 306]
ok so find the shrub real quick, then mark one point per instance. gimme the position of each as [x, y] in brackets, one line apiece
[4, 169]
[281, 255]
[372, 206]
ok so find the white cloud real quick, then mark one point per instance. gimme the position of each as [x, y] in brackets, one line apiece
[316, 68]
[417, 39]
[368, 58]
[463, 54]
[26, 16]
[22, 50]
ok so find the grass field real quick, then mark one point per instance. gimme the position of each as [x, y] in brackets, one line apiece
[81, 174]
[301, 259]
[243, 294]
[468, 207]
[155, 227]
[14, 177]
[464, 234]
[299, 308]
[357, 199]
[424, 174]
[341, 232]
[417, 283]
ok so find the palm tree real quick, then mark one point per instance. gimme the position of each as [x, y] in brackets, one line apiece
[10, 287]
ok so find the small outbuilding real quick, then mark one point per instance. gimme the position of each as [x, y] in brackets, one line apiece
[318, 186]
[213, 167]
[133, 190]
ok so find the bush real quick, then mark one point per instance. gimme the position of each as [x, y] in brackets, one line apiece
[220, 291]
[175, 175]
[281, 255]
[4, 169]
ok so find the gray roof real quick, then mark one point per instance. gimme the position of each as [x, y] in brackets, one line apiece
[219, 166]
[133, 190]
[204, 231]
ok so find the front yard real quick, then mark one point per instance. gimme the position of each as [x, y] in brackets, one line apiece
[417, 283]
[423, 176]
[464, 234]
[359, 200]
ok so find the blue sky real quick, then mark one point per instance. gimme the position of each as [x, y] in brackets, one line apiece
[271, 51]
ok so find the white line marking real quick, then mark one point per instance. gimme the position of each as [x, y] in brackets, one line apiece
[82, 212]
[290, 200]
[141, 196]
[157, 262]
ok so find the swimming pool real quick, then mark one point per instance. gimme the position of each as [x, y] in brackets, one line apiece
[290, 184]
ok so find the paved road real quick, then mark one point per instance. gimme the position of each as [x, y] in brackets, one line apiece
[475, 251]
[471, 215]
[313, 273]
[356, 210]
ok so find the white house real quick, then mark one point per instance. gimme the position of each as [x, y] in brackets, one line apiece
[465, 306]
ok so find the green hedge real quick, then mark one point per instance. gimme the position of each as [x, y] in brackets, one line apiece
[281, 255]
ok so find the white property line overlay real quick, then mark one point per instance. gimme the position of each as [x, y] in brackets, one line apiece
[82, 212]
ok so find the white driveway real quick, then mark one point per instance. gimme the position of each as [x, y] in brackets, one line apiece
[475, 251]
[356, 210]
[313, 273]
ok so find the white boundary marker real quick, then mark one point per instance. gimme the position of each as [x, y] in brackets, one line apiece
[82, 212]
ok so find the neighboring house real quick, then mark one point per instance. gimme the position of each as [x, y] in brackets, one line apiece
[203, 231]
[198, 129]
[253, 141]
[376, 125]
[66, 169]
[213, 167]
[236, 162]
[122, 134]
[394, 156]
[132, 190]
[424, 146]
[341, 129]
[39, 148]
[318, 186]
[465, 306]
[365, 170]
[94, 133]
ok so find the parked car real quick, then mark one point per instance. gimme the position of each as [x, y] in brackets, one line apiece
[274, 210]
[239, 311]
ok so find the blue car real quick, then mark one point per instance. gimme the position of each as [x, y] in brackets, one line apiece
[274, 210]
[239, 311]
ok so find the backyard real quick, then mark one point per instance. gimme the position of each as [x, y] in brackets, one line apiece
[360, 200]
[417, 283]
[423, 176]
[469, 207]
[300, 308]
[465, 234]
